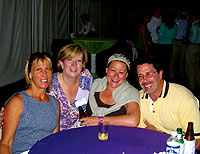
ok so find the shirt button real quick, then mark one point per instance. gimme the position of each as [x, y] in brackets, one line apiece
[153, 111]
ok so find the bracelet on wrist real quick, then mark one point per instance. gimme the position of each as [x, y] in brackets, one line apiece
[100, 120]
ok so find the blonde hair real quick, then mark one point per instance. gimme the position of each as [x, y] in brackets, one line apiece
[72, 51]
[35, 56]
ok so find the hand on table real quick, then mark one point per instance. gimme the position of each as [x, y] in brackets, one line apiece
[89, 121]
[197, 145]
[1, 117]
[149, 126]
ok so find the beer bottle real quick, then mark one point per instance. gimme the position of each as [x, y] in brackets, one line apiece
[189, 135]
[189, 139]
[82, 114]
[181, 141]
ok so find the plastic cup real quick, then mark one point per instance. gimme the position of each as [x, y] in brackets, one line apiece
[103, 131]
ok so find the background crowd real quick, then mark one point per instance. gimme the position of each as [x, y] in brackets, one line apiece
[173, 37]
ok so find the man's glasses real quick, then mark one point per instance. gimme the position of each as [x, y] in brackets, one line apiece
[147, 75]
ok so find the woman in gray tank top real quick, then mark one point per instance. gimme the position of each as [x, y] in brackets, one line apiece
[112, 98]
[32, 114]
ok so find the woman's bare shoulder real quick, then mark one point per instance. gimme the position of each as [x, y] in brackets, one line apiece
[15, 100]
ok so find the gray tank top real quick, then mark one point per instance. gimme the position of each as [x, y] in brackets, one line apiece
[37, 121]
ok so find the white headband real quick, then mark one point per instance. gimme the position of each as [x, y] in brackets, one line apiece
[119, 57]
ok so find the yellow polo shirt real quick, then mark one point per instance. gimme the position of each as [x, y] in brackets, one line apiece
[175, 107]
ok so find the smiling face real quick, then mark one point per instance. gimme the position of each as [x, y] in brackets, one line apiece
[149, 79]
[72, 66]
[40, 74]
[116, 73]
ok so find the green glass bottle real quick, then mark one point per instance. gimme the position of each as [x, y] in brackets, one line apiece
[181, 141]
[180, 135]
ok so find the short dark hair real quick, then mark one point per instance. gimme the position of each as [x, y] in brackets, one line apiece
[149, 60]
[86, 16]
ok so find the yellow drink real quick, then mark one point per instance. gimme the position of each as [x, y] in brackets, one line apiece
[103, 136]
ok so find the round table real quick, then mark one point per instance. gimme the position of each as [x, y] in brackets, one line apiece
[94, 46]
[84, 140]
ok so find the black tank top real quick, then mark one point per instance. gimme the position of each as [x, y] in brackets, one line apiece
[121, 111]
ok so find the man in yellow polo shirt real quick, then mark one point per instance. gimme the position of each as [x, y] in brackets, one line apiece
[165, 106]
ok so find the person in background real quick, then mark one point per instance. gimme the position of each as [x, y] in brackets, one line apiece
[179, 47]
[112, 98]
[32, 114]
[165, 106]
[88, 29]
[153, 27]
[144, 38]
[134, 54]
[166, 35]
[71, 85]
[192, 56]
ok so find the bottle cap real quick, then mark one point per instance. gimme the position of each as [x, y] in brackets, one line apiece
[173, 133]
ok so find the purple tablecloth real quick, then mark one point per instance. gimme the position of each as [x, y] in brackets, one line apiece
[85, 141]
